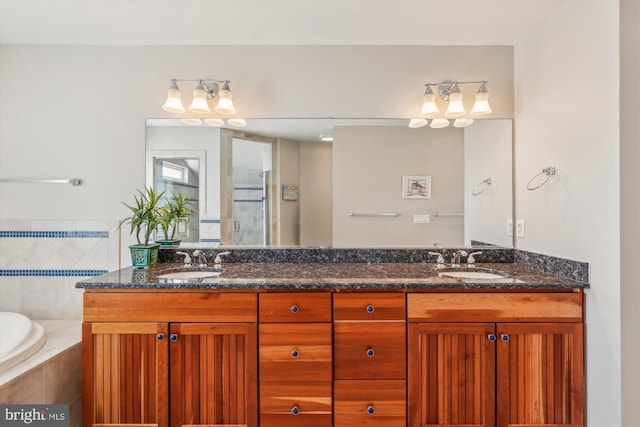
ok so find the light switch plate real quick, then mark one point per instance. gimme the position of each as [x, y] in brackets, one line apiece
[520, 228]
[509, 227]
[421, 219]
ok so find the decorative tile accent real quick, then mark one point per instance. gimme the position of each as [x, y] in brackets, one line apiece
[55, 234]
[48, 273]
[209, 221]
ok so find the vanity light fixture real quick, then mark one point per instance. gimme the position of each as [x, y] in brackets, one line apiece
[417, 123]
[205, 90]
[326, 138]
[449, 92]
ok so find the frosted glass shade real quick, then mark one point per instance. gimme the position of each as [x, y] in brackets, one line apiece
[192, 122]
[237, 122]
[481, 106]
[225, 104]
[173, 104]
[462, 123]
[455, 107]
[429, 107]
[439, 123]
[417, 123]
[199, 103]
[214, 122]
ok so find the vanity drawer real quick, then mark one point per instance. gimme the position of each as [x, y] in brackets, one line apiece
[295, 352]
[296, 397]
[495, 307]
[300, 420]
[369, 306]
[373, 403]
[370, 350]
[295, 307]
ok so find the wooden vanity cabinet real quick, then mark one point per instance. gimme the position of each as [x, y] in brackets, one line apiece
[370, 359]
[500, 359]
[182, 370]
[296, 362]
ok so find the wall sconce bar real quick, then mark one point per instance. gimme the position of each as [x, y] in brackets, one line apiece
[205, 89]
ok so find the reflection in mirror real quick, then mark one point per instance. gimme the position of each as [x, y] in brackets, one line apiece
[305, 192]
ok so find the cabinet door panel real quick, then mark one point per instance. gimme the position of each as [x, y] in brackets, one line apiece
[125, 374]
[540, 374]
[451, 374]
[213, 374]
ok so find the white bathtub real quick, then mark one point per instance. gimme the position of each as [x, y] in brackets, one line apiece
[20, 338]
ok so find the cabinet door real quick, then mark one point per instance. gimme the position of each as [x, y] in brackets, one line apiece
[451, 374]
[125, 374]
[540, 374]
[213, 374]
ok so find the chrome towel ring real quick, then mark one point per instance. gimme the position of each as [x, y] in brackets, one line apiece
[547, 172]
[478, 189]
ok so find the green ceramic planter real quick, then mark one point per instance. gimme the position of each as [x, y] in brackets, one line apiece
[174, 242]
[144, 256]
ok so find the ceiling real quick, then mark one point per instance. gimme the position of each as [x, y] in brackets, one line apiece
[271, 22]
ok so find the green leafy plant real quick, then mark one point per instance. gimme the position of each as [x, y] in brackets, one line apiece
[146, 214]
[177, 209]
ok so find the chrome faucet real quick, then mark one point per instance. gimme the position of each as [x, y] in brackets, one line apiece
[471, 261]
[202, 259]
[455, 261]
[439, 260]
[187, 258]
[218, 261]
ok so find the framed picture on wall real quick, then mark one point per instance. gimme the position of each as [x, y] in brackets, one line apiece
[289, 192]
[416, 187]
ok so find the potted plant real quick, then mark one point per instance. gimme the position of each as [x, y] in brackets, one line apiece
[144, 220]
[175, 211]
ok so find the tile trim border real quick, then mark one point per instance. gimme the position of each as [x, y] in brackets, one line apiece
[50, 273]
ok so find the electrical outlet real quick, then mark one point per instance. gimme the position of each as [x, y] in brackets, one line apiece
[509, 227]
[421, 219]
[520, 228]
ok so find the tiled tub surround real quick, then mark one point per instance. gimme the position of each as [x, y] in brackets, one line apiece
[42, 260]
[53, 374]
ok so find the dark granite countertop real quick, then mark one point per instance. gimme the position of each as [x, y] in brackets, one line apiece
[330, 277]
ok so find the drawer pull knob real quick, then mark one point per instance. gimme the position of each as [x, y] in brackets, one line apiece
[294, 353]
[295, 410]
[173, 337]
[294, 309]
[504, 337]
[370, 309]
[370, 352]
[491, 337]
[160, 337]
[371, 410]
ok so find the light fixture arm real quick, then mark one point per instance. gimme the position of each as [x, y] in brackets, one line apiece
[211, 87]
[445, 87]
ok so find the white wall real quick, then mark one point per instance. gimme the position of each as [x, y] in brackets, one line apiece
[316, 200]
[567, 116]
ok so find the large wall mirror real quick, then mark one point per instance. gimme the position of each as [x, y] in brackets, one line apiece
[378, 183]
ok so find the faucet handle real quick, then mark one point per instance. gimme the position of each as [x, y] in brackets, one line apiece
[218, 260]
[440, 259]
[187, 257]
[471, 260]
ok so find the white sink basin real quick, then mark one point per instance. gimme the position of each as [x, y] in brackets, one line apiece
[186, 275]
[471, 273]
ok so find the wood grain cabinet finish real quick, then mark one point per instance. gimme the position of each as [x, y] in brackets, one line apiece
[296, 360]
[170, 373]
[496, 374]
[370, 346]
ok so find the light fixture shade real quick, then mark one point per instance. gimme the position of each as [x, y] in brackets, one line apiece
[481, 106]
[462, 123]
[173, 104]
[192, 122]
[417, 123]
[429, 107]
[199, 103]
[439, 123]
[455, 107]
[225, 103]
[237, 122]
[214, 122]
